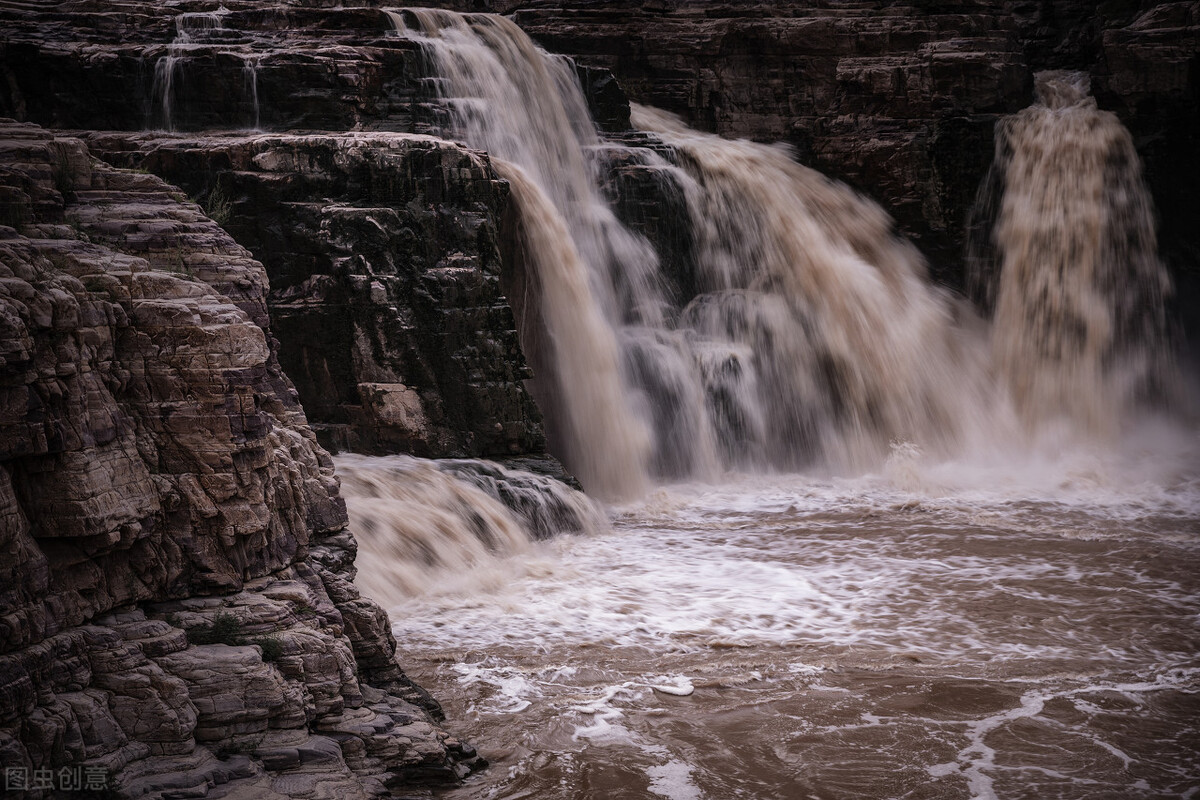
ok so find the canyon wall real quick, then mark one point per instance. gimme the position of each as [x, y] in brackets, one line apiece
[383, 251]
[177, 605]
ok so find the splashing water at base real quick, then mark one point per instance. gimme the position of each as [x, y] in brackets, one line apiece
[936, 630]
[452, 526]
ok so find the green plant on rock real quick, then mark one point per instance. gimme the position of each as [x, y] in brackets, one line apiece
[175, 261]
[272, 648]
[217, 205]
[225, 629]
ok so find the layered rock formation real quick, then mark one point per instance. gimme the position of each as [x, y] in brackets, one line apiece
[383, 252]
[176, 597]
[176, 605]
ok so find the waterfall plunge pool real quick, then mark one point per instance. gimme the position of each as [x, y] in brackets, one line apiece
[932, 631]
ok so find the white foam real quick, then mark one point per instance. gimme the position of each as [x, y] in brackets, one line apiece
[979, 758]
[673, 780]
[513, 690]
[676, 685]
[833, 565]
[604, 725]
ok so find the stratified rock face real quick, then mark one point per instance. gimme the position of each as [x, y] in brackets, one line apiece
[151, 445]
[111, 65]
[157, 475]
[383, 252]
[382, 249]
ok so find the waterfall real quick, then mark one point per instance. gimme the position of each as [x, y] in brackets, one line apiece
[250, 66]
[589, 401]
[815, 336]
[838, 344]
[805, 332]
[199, 32]
[424, 526]
[1079, 331]
[526, 108]
[188, 28]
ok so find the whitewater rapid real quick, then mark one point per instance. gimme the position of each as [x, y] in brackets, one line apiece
[983, 630]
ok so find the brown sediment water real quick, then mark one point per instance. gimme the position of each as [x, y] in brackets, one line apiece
[932, 630]
[1080, 321]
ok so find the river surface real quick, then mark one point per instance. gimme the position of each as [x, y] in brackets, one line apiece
[949, 631]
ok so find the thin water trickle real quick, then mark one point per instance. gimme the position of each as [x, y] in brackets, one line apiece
[200, 36]
[189, 28]
[250, 65]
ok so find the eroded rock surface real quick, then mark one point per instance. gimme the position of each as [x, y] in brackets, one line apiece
[383, 251]
[176, 607]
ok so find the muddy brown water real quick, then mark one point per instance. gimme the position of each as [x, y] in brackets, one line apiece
[794, 637]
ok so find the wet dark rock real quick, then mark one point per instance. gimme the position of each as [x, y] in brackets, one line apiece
[648, 198]
[384, 261]
[175, 604]
[536, 496]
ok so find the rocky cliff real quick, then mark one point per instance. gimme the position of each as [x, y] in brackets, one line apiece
[177, 611]
[383, 251]
[176, 596]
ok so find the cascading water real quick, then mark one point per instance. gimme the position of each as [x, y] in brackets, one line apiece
[589, 399]
[425, 526]
[201, 33]
[189, 28]
[525, 108]
[1079, 331]
[815, 336]
[843, 344]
